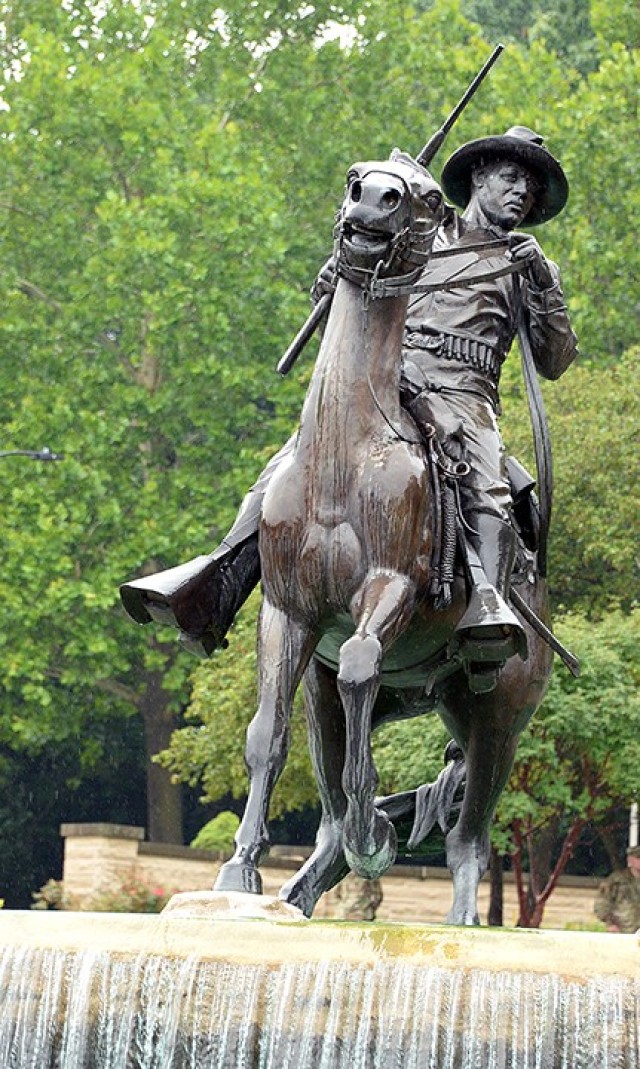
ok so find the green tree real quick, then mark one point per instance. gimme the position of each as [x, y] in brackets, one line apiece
[578, 761]
[166, 196]
[136, 236]
[616, 21]
[592, 415]
[209, 750]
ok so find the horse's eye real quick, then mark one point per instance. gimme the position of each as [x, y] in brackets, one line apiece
[391, 199]
[433, 200]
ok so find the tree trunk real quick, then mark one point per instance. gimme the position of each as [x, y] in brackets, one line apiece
[540, 848]
[616, 856]
[532, 902]
[164, 798]
[495, 917]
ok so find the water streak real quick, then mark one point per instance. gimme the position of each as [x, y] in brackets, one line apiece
[94, 1010]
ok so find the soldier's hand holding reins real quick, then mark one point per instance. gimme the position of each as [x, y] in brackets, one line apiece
[525, 248]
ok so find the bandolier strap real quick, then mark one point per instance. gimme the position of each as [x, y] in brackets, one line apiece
[478, 355]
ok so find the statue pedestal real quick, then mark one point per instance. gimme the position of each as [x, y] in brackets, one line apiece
[229, 905]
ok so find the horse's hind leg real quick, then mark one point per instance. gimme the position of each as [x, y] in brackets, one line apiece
[284, 647]
[487, 730]
[326, 729]
[382, 609]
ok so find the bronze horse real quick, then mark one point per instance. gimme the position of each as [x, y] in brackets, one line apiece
[346, 549]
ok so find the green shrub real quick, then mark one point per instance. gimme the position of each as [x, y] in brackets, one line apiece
[218, 834]
[129, 894]
[52, 895]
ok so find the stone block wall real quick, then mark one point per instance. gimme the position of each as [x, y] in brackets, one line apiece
[96, 855]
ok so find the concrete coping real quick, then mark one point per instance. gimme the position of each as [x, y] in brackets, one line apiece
[575, 956]
[101, 831]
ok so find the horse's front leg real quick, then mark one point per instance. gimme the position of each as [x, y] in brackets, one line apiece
[382, 610]
[326, 729]
[284, 648]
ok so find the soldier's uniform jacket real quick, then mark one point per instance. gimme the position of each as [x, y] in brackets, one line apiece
[483, 319]
[618, 901]
[456, 341]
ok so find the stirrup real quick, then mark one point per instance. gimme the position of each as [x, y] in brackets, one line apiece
[488, 621]
[487, 635]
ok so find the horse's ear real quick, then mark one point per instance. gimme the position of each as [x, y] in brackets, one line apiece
[398, 156]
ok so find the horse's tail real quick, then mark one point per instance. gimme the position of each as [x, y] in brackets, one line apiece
[431, 804]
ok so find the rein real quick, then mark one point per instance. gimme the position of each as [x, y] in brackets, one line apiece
[375, 288]
[391, 286]
[382, 287]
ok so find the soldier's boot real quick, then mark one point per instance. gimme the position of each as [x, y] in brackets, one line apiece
[202, 596]
[489, 632]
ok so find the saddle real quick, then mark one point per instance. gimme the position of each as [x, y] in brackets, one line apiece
[451, 524]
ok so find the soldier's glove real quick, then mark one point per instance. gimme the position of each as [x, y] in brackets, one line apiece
[538, 272]
[325, 282]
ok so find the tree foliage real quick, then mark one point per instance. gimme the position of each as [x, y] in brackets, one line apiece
[580, 757]
[592, 413]
[208, 751]
[167, 189]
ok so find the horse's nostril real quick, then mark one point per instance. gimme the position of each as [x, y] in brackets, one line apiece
[356, 190]
[390, 199]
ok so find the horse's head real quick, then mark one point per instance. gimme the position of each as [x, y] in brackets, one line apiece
[388, 219]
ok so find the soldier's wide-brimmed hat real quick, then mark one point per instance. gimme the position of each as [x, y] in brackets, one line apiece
[523, 146]
[633, 851]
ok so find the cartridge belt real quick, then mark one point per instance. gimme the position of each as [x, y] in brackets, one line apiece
[476, 354]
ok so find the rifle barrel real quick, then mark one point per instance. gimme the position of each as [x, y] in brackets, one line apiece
[426, 155]
[424, 158]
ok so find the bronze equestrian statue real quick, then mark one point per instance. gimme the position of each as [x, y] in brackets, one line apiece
[454, 344]
[372, 524]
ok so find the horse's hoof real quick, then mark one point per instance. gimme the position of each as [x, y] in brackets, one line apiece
[236, 876]
[379, 849]
[321, 871]
[299, 897]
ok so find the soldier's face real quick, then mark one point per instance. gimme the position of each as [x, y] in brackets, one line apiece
[505, 192]
[634, 865]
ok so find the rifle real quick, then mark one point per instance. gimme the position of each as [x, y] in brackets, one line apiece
[436, 140]
[424, 158]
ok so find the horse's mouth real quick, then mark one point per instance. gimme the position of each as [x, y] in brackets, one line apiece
[360, 240]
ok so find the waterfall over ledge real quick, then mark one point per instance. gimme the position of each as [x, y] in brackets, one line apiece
[190, 990]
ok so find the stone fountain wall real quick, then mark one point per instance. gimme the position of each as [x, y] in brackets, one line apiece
[106, 991]
[95, 854]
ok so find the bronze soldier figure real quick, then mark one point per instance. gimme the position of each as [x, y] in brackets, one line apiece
[456, 341]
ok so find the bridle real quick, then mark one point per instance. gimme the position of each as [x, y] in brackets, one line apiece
[378, 282]
[411, 244]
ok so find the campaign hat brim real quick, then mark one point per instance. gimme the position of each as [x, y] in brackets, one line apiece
[554, 188]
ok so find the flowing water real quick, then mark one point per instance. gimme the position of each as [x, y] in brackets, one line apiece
[98, 1010]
